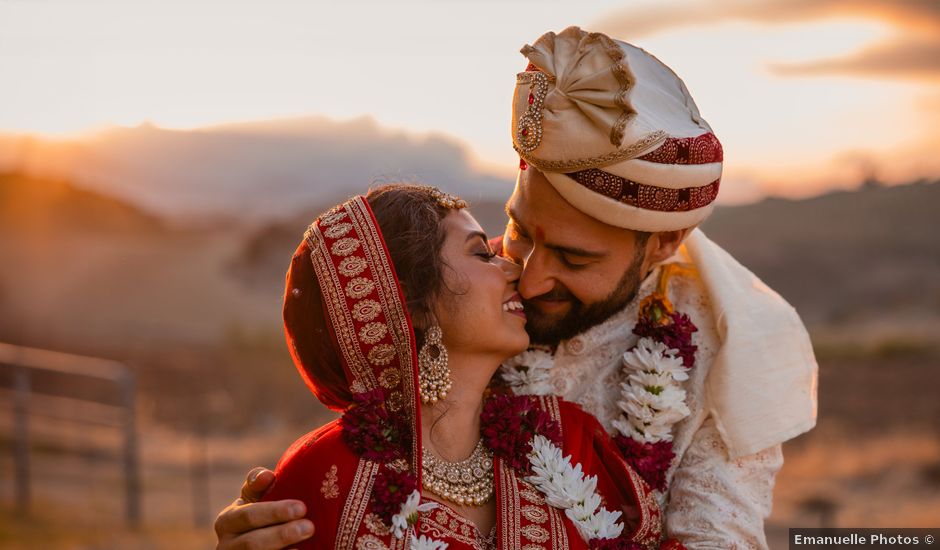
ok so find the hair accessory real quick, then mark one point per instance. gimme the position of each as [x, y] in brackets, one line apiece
[446, 200]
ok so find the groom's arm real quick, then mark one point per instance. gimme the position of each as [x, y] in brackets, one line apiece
[715, 502]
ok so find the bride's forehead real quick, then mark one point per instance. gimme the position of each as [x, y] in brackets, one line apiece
[460, 223]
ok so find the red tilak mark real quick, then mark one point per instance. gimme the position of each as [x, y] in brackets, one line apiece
[539, 233]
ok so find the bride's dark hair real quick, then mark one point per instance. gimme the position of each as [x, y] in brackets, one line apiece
[410, 220]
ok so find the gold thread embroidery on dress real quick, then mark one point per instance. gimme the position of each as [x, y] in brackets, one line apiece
[344, 246]
[356, 504]
[352, 266]
[376, 526]
[389, 378]
[382, 354]
[338, 230]
[370, 542]
[534, 514]
[366, 310]
[330, 219]
[359, 288]
[329, 487]
[445, 523]
[535, 533]
[396, 401]
[373, 333]
[393, 310]
[509, 500]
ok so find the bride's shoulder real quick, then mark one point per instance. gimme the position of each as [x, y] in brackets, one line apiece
[315, 446]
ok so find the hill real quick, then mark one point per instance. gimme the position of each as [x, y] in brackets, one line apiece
[870, 255]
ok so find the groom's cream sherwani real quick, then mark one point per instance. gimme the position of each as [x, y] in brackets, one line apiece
[713, 500]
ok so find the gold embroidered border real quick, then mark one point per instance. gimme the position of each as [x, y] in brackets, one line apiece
[564, 166]
[340, 315]
[356, 504]
[509, 506]
[394, 313]
[440, 525]
[649, 529]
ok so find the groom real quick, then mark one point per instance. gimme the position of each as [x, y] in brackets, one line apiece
[617, 169]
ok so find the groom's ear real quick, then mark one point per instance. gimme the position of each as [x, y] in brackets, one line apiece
[663, 244]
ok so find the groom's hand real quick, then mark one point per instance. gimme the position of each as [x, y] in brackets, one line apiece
[249, 524]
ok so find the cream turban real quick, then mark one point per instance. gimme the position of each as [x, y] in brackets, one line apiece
[616, 132]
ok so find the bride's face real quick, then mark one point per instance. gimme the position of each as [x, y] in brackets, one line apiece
[477, 311]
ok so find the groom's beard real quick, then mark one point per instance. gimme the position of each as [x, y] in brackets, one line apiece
[550, 330]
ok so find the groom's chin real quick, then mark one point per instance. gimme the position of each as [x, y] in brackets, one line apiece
[543, 328]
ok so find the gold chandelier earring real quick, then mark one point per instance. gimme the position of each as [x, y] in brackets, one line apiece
[433, 372]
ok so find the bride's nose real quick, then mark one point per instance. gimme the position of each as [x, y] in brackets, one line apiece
[510, 268]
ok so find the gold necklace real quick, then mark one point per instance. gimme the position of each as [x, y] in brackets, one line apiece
[466, 483]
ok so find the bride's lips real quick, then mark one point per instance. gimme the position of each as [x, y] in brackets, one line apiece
[513, 305]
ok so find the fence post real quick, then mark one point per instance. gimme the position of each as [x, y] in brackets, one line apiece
[132, 495]
[21, 385]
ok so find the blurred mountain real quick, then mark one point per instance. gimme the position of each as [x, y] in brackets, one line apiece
[83, 268]
[845, 258]
[870, 256]
[252, 171]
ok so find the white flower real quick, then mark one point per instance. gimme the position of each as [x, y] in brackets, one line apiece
[585, 509]
[652, 356]
[528, 373]
[566, 486]
[426, 543]
[652, 382]
[602, 525]
[408, 515]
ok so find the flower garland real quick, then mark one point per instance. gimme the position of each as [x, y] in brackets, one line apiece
[526, 437]
[510, 423]
[652, 399]
[568, 488]
[528, 372]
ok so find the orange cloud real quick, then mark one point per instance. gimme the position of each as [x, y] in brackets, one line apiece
[913, 53]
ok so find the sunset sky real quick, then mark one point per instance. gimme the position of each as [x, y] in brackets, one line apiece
[804, 94]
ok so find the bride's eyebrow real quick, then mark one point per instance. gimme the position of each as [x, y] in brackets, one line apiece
[479, 234]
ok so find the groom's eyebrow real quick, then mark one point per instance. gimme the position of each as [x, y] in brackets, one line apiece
[572, 250]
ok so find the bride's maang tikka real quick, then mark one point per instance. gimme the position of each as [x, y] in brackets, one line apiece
[446, 200]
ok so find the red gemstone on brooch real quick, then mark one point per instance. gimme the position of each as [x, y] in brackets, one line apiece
[531, 99]
[525, 131]
[523, 164]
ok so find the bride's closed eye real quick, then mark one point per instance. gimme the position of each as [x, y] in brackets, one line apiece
[486, 254]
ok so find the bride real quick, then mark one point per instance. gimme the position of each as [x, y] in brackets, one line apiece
[398, 314]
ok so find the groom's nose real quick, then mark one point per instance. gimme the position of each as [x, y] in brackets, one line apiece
[536, 277]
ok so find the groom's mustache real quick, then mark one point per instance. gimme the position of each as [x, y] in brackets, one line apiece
[557, 293]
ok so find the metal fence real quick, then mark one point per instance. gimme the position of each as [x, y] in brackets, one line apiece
[115, 407]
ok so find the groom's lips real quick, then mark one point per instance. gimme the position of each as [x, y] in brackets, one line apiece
[550, 305]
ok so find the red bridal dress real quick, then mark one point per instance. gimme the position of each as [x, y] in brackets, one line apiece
[360, 476]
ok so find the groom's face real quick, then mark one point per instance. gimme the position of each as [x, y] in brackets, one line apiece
[577, 271]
